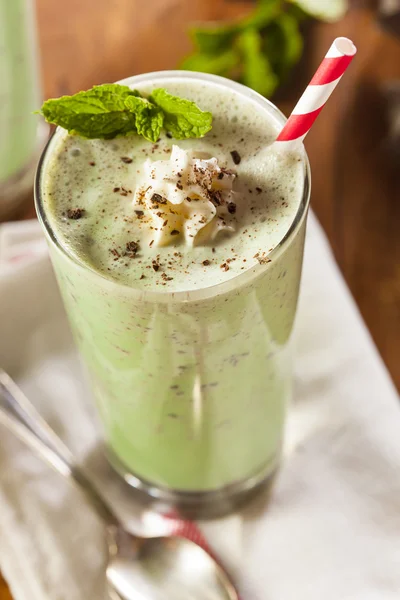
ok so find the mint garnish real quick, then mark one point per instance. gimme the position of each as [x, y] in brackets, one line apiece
[182, 118]
[149, 119]
[111, 110]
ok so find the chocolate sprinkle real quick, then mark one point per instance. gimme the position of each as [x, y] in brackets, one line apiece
[116, 189]
[258, 190]
[158, 199]
[92, 163]
[131, 249]
[236, 157]
[215, 197]
[75, 213]
[126, 160]
[262, 258]
[115, 253]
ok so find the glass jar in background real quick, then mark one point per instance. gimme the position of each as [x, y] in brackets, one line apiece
[22, 133]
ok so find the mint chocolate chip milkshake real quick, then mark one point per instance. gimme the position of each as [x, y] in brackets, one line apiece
[179, 263]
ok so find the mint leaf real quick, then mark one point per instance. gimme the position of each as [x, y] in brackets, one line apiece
[284, 44]
[96, 113]
[110, 110]
[149, 119]
[212, 38]
[257, 70]
[221, 64]
[264, 13]
[292, 45]
[182, 118]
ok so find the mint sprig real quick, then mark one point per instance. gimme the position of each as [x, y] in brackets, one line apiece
[111, 110]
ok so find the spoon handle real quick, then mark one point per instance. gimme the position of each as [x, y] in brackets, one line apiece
[20, 416]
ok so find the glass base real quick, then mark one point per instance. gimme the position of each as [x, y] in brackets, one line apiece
[199, 505]
[15, 190]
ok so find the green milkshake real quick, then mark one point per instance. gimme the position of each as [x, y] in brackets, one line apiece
[21, 134]
[179, 263]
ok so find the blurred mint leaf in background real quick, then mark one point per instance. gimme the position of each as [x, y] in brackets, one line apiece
[261, 48]
[257, 69]
[222, 63]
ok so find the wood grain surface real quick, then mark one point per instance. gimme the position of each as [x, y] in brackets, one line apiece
[356, 180]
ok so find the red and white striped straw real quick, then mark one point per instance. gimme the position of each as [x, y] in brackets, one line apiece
[321, 86]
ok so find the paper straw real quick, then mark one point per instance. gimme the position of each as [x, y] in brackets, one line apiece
[321, 86]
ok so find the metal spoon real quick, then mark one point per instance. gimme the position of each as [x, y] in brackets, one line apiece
[158, 568]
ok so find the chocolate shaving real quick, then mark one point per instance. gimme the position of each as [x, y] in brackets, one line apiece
[92, 163]
[227, 171]
[175, 232]
[220, 175]
[156, 265]
[262, 258]
[206, 263]
[131, 249]
[236, 157]
[139, 213]
[179, 186]
[258, 190]
[158, 199]
[231, 208]
[116, 189]
[75, 213]
[169, 135]
[115, 253]
[215, 197]
[126, 160]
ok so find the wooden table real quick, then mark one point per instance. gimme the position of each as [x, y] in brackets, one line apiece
[356, 182]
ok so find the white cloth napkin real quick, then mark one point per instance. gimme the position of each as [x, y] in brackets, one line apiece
[331, 530]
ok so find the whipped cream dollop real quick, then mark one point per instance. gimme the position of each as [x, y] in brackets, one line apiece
[186, 195]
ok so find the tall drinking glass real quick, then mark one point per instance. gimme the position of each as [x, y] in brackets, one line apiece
[22, 133]
[191, 387]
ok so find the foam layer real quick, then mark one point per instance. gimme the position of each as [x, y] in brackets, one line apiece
[100, 177]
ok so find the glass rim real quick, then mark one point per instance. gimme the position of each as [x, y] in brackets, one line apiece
[165, 296]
